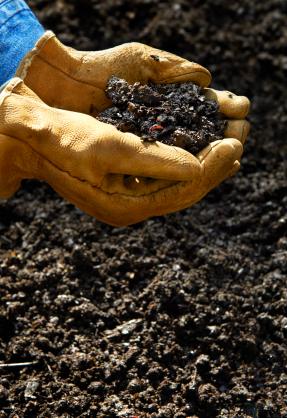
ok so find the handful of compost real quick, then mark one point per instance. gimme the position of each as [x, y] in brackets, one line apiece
[116, 175]
[174, 114]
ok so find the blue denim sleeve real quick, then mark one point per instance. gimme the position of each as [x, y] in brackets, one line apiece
[19, 31]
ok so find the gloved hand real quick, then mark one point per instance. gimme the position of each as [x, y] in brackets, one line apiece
[74, 80]
[65, 78]
[109, 174]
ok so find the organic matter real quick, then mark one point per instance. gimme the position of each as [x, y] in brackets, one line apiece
[175, 114]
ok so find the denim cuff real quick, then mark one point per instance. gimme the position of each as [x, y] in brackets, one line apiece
[2, 87]
[19, 32]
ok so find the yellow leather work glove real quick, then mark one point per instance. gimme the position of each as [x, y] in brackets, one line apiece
[76, 80]
[73, 80]
[107, 173]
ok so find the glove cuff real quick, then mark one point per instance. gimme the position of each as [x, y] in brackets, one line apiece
[55, 73]
[26, 62]
[8, 87]
[22, 117]
[17, 160]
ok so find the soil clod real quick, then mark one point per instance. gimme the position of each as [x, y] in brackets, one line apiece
[175, 114]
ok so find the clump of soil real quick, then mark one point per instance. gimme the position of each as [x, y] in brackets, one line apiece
[175, 114]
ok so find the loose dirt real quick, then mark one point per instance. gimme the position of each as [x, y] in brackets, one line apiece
[180, 316]
[175, 114]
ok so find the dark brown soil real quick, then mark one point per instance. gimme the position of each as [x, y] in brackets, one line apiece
[180, 316]
[175, 114]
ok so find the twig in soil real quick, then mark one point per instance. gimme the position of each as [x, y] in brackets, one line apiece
[50, 371]
[6, 239]
[7, 365]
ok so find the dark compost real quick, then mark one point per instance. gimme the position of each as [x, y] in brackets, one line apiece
[180, 316]
[175, 114]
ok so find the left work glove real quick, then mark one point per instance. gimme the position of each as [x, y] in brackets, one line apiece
[65, 78]
[76, 80]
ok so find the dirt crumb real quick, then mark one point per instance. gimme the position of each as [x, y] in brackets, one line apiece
[174, 114]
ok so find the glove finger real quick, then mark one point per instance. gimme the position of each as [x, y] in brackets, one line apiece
[231, 105]
[139, 62]
[126, 153]
[117, 209]
[121, 209]
[133, 185]
[170, 68]
[238, 129]
[219, 160]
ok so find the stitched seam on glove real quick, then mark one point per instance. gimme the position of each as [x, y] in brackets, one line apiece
[8, 88]
[28, 59]
[64, 72]
[173, 78]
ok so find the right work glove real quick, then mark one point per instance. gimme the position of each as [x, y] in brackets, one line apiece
[109, 174]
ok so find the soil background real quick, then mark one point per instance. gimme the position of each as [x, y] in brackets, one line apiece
[179, 316]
